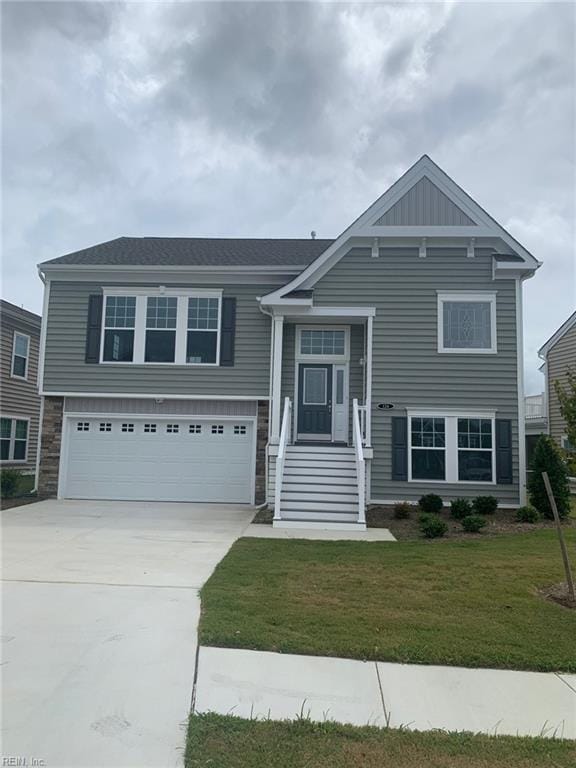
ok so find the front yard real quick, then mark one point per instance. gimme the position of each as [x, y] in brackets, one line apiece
[472, 603]
[229, 742]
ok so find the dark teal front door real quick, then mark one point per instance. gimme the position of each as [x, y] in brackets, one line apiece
[315, 401]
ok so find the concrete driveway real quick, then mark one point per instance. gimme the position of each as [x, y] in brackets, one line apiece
[99, 620]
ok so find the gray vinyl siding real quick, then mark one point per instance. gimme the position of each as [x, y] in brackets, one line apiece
[356, 369]
[66, 371]
[408, 371]
[425, 205]
[19, 398]
[561, 357]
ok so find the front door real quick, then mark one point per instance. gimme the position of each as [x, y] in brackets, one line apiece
[315, 401]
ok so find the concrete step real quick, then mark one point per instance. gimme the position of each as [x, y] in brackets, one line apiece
[314, 514]
[321, 524]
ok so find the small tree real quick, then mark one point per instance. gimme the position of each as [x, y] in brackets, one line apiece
[547, 458]
[567, 398]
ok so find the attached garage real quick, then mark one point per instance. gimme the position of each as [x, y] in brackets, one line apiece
[147, 458]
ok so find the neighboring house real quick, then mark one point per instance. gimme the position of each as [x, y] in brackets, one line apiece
[375, 367]
[536, 422]
[559, 355]
[19, 398]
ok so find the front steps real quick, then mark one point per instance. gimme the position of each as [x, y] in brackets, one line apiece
[319, 488]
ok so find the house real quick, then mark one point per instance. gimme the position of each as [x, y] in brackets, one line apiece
[536, 422]
[19, 398]
[316, 375]
[559, 356]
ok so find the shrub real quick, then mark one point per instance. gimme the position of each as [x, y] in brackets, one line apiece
[473, 523]
[485, 505]
[547, 458]
[9, 479]
[402, 510]
[527, 515]
[432, 526]
[431, 503]
[460, 508]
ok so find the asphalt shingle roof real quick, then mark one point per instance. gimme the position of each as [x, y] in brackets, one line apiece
[198, 251]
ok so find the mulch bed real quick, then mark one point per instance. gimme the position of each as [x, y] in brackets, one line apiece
[558, 593]
[18, 501]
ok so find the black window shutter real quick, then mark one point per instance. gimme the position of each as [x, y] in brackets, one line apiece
[503, 451]
[228, 331]
[94, 328]
[399, 448]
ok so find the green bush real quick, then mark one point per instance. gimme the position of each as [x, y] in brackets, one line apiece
[402, 510]
[431, 503]
[527, 515]
[485, 505]
[9, 480]
[473, 523]
[432, 526]
[460, 508]
[547, 458]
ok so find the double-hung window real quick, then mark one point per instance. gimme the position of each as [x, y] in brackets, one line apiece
[13, 439]
[454, 448]
[20, 353]
[161, 312]
[202, 330]
[467, 322]
[119, 325]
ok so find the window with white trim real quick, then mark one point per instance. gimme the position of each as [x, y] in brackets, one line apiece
[322, 341]
[13, 439]
[195, 429]
[467, 323]
[119, 325]
[239, 429]
[452, 448]
[149, 428]
[83, 426]
[20, 354]
[105, 426]
[173, 428]
[127, 428]
[217, 429]
[160, 345]
[202, 332]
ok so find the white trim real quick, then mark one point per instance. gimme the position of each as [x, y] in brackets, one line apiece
[521, 399]
[264, 268]
[481, 298]
[43, 332]
[28, 338]
[368, 379]
[276, 373]
[321, 312]
[204, 293]
[67, 417]
[562, 331]
[149, 396]
[14, 418]
[451, 448]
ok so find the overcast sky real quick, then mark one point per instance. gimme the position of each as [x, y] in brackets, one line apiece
[273, 119]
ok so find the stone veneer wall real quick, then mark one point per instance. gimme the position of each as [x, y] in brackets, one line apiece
[261, 443]
[50, 444]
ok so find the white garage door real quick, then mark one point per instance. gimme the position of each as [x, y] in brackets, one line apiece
[151, 459]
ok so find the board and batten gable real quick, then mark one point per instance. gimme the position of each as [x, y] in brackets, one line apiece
[560, 359]
[65, 369]
[408, 371]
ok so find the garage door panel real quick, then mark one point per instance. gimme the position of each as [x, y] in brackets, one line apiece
[160, 459]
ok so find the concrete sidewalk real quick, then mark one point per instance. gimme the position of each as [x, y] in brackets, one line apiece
[418, 697]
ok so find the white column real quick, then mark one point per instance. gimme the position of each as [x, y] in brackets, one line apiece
[369, 323]
[276, 404]
[521, 404]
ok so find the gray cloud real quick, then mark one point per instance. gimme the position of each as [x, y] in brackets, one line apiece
[272, 119]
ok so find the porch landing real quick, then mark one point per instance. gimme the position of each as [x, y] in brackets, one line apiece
[263, 531]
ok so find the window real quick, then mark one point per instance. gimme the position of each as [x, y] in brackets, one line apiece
[455, 448]
[20, 349]
[119, 323]
[566, 444]
[315, 382]
[83, 426]
[239, 429]
[195, 429]
[161, 329]
[467, 323]
[127, 428]
[13, 439]
[475, 450]
[105, 426]
[172, 428]
[322, 341]
[217, 429]
[149, 427]
[428, 436]
[202, 333]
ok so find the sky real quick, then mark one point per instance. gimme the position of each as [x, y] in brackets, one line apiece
[274, 119]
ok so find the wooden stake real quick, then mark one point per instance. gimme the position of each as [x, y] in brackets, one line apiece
[569, 579]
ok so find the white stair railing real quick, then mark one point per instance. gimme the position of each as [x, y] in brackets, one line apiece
[360, 463]
[280, 458]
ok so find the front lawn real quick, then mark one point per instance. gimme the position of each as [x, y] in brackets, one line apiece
[229, 742]
[469, 603]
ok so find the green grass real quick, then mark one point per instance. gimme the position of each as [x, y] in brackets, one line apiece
[468, 603]
[221, 741]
